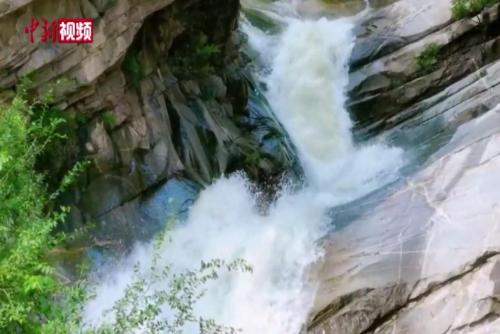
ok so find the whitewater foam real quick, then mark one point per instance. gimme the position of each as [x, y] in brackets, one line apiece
[307, 92]
[225, 223]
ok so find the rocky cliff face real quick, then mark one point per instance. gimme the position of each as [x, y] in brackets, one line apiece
[160, 92]
[423, 255]
[424, 259]
[387, 78]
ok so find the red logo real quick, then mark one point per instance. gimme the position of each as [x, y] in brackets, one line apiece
[63, 30]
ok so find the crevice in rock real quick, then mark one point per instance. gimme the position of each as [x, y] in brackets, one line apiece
[388, 93]
[381, 319]
[339, 304]
[394, 45]
[487, 318]
[433, 287]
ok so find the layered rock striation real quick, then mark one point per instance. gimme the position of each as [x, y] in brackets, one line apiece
[421, 256]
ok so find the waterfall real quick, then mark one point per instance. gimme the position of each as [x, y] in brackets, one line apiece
[309, 73]
[307, 92]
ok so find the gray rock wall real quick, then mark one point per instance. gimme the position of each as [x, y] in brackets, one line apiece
[423, 255]
[161, 92]
[387, 84]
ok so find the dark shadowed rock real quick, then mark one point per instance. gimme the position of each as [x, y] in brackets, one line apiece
[150, 100]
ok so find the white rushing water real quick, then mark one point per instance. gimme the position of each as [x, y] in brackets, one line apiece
[306, 91]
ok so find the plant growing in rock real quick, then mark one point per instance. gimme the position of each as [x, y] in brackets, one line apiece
[428, 60]
[196, 57]
[109, 119]
[467, 8]
[132, 68]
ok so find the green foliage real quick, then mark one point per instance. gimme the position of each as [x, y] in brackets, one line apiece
[33, 297]
[427, 61]
[467, 8]
[28, 284]
[79, 118]
[109, 119]
[133, 69]
[196, 57]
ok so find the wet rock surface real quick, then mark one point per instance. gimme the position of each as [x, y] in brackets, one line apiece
[387, 80]
[425, 259]
[423, 255]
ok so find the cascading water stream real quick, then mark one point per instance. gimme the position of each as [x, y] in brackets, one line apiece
[306, 90]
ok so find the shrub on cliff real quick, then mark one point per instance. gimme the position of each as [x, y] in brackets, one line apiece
[28, 284]
[196, 57]
[467, 8]
[428, 60]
